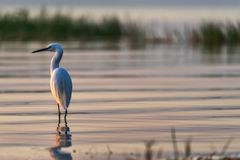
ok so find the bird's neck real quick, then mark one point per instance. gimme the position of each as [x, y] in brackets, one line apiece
[56, 60]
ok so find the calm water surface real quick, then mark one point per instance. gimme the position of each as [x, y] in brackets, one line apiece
[121, 98]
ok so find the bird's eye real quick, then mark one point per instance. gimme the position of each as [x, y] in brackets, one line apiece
[51, 49]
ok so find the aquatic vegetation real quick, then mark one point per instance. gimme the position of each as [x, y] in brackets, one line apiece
[148, 149]
[149, 153]
[19, 26]
[215, 34]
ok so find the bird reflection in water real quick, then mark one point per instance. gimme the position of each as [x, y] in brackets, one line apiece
[63, 139]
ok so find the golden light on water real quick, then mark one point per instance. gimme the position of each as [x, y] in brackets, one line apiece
[123, 96]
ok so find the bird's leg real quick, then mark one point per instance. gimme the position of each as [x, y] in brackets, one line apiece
[65, 117]
[58, 130]
[66, 128]
[59, 115]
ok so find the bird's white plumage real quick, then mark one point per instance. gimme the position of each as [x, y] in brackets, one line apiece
[60, 82]
[61, 87]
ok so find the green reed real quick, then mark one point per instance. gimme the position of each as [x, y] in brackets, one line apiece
[216, 34]
[19, 26]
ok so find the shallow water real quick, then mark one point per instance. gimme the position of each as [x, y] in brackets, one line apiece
[121, 98]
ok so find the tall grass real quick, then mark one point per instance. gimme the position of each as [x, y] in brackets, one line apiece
[19, 26]
[216, 34]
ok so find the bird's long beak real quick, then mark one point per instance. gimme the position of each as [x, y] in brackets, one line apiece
[40, 50]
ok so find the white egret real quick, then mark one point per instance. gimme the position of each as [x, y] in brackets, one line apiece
[60, 82]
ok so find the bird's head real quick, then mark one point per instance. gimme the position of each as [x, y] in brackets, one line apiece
[53, 47]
